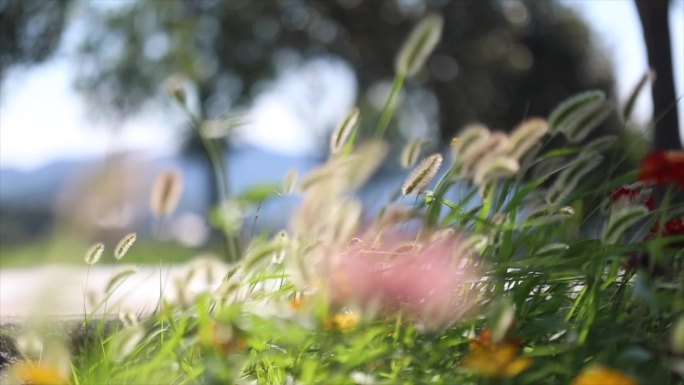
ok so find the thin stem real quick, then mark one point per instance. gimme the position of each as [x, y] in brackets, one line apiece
[486, 206]
[216, 160]
[161, 285]
[390, 106]
[85, 290]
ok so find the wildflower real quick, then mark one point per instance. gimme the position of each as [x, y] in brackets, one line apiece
[603, 376]
[630, 195]
[495, 359]
[428, 283]
[29, 372]
[663, 167]
[296, 304]
[343, 321]
[672, 228]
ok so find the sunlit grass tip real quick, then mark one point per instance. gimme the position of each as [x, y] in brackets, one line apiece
[94, 253]
[166, 193]
[124, 244]
[419, 45]
[342, 132]
[422, 174]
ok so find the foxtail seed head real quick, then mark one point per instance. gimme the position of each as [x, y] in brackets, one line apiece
[166, 192]
[631, 100]
[494, 167]
[621, 220]
[340, 136]
[422, 174]
[419, 45]
[124, 244]
[570, 108]
[411, 152]
[118, 278]
[94, 253]
[290, 181]
[525, 136]
[494, 144]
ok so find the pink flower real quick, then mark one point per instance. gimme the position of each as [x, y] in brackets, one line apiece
[429, 283]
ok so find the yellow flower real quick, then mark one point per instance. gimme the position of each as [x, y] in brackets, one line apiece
[223, 338]
[30, 373]
[603, 376]
[495, 359]
[341, 321]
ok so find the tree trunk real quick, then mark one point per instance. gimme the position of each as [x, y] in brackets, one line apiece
[654, 21]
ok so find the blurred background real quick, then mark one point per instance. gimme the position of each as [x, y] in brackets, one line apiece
[86, 123]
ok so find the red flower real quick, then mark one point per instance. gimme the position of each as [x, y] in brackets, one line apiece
[663, 167]
[624, 192]
[672, 228]
[633, 194]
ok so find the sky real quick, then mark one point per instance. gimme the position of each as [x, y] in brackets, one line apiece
[43, 120]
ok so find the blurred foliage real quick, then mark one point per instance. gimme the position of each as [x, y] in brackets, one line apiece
[497, 62]
[30, 30]
[65, 248]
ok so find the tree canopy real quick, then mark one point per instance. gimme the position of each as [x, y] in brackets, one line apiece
[497, 61]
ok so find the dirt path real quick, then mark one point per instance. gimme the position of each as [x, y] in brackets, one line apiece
[57, 290]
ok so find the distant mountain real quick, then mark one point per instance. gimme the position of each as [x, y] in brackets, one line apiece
[40, 190]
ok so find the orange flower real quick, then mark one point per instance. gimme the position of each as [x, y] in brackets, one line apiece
[31, 373]
[663, 167]
[495, 359]
[603, 376]
[341, 321]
